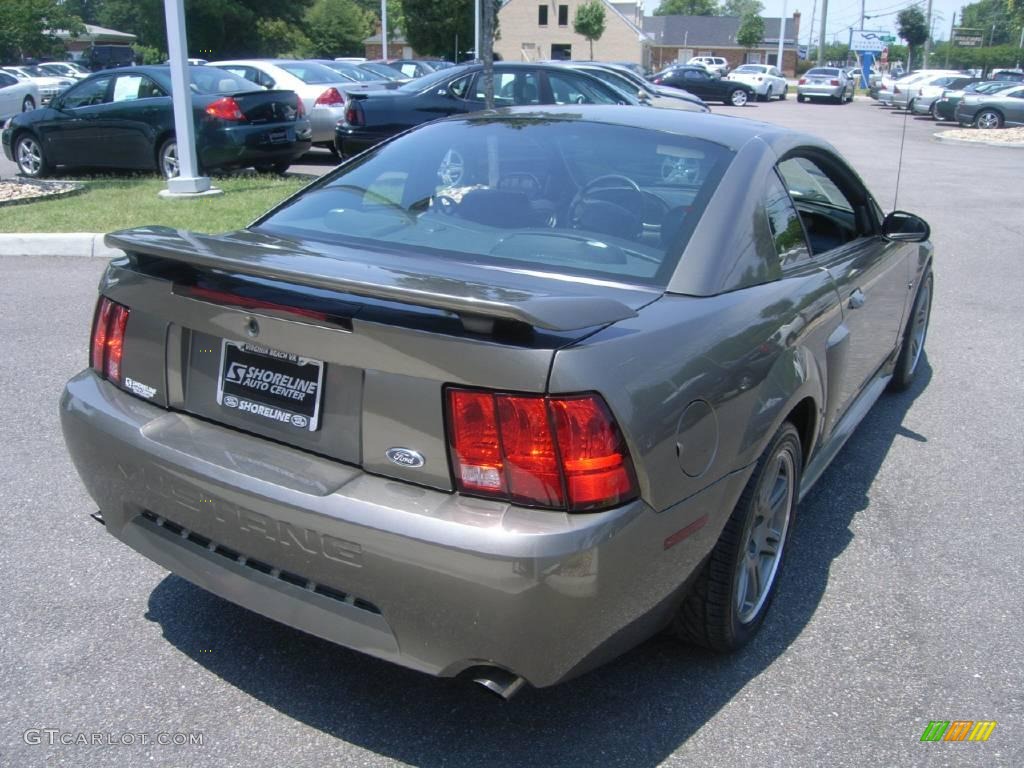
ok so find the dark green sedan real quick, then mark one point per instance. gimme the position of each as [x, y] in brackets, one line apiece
[946, 104]
[124, 119]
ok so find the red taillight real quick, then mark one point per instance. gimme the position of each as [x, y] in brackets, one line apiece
[332, 97]
[562, 452]
[833, 82]
[108, 338]
[354, 114]
[300, 111]
[803, 81]
[225, 109]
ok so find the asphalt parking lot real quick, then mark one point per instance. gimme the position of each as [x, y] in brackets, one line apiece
[898, 604]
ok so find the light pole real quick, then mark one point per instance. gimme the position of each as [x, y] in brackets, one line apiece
[782, 37]
[384, 29]
[476, 32]
[187, 183]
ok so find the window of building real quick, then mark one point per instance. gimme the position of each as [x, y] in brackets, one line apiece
[542, 15]
[563, 15]
[561, 51]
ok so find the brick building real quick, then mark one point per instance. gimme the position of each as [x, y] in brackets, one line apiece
[679, 38]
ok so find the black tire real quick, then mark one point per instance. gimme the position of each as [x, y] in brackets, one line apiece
[785, 93]
[987, 119]
[279, 168]
[800, 98]
[28, 104]
[711, 615]
[737, 97]
[167, 158]
[30, 157]
[914, 335]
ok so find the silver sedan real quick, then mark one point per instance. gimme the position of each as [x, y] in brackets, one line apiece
[825, 83]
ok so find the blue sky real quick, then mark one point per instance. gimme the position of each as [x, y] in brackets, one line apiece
[844, 13]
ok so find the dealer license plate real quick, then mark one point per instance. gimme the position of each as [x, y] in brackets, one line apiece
[277, 386]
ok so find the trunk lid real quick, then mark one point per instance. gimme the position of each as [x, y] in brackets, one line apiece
[267, 106]
[337, 350]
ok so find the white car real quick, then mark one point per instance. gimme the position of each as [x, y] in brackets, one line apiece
[67, 69]
[714, 64]
[320, 89]
[767, 81]
[48, 85]
[16, 96]
[896, 93]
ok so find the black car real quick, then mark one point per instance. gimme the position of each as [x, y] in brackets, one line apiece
[372, 117]
[702, 83]
[124, 119]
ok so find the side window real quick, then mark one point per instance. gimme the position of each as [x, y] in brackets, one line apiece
[460, 88]
[511, 88]
[829, 218]
[567, 89]
[133, 87]
[784, 222]
[87, 94]
[1018, 94]
[6, 80]
[692, 74]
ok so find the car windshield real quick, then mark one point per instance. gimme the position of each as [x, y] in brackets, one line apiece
[309, 72]
[551, 194]
[430, 80]
[823, 72]
[211, 80]
[35, 72]
[351, 72]
[383, 73]
[750, 69]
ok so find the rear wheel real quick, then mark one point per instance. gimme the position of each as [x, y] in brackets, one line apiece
[279, 168]
[932, 112]
[785, 93]
[167, 159]
[29, 155]
[738, 98]
[28, 104]
[914, 336]
[988, 119]
[768, 94]
[800, 98]
[732, 593]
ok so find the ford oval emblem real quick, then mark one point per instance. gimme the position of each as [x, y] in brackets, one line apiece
[405, 457]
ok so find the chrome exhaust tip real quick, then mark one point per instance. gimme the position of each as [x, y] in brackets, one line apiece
[498, 681]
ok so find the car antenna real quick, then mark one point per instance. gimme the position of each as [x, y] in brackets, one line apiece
[899, 166]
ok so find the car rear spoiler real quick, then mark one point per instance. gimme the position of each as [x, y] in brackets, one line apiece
[478, 304]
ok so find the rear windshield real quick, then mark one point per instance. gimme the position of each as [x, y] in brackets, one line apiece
[428, 81]
[310, 72]
[352, 72]
[211, 80]
[823, 72]
[753, 69]
[559, 195]
[385, 73]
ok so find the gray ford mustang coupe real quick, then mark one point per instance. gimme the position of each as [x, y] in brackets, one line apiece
[505, 395]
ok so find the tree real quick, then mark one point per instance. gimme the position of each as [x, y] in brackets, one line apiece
[687, 8]
[87, 10]
[589, 22]
[751, 31]
[278, 38]
[438, 22]
[912, 26]
[27, 28]
[741, 8]
[994, 17]
[336, 28]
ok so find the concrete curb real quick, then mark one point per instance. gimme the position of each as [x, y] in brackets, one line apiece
[73, 244]
[951, 140]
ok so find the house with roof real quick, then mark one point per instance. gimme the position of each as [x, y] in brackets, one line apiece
[78, 44]
[535, 30]
[679, 38]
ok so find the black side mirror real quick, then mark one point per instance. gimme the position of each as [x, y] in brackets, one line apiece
[905, 228]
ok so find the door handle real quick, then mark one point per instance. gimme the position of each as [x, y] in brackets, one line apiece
[857, 299]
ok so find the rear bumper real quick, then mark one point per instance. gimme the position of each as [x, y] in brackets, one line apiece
[434, 581]
[351, 141]
[923, 104]
[323, 120]
[252, 145]
[820, 91]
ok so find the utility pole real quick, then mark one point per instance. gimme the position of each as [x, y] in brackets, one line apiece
[487, 33]
[476, 32]
[782, 37]
[810, 29]
[952, 26]
[928, 40]
[822, 38]
[384, 29]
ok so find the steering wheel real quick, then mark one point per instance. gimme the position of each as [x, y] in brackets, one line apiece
[612, 204]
